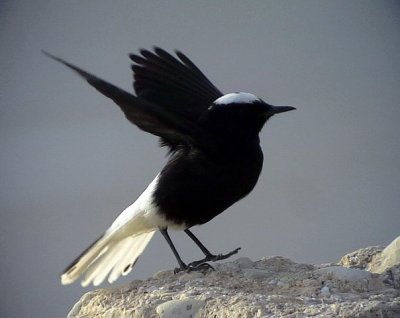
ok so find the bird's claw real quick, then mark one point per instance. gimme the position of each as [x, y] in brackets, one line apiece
[202, 267]
[213, 258]
[224, 256]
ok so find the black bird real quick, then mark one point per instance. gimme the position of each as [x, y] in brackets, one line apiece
[215, 159]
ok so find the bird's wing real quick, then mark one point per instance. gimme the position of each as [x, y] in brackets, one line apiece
[177, 84]
[147, 115]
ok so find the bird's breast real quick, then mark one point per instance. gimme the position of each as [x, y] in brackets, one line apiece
[193, 188]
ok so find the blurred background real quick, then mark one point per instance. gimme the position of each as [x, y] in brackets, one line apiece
[70, 162]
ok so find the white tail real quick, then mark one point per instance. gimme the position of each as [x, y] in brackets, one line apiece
[115, 253]
[107, 256]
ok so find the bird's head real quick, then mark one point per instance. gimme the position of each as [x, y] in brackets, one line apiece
[240, 113]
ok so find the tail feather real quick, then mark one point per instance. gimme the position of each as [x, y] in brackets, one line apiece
[104, 256]
[81, 263]
[102, 265]
[107, 265]
[124, 266]
[115, 253]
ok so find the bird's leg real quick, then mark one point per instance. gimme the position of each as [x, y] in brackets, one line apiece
[208, 256]
[182, 265]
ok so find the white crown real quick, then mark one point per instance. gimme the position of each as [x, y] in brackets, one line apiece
[236, 98]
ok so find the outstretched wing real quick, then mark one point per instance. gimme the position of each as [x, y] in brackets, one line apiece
[175, 84]
[148, 116]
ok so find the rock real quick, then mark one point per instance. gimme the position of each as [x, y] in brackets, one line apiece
[360, 258]
[379, 260]
[255, 273]
[185, 308]
[244, 262]
[368, 286]
[389, 257]
[375, 259]
[325, 291]
[190, 276]
[351, 279]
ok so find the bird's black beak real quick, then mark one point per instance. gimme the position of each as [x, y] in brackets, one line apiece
[279, 109]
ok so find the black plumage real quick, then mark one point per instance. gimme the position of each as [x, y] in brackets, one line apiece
[215, 158]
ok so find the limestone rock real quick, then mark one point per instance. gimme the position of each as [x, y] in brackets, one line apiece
[270, 287]
[185, 308]
[389, 257]
[361, 258]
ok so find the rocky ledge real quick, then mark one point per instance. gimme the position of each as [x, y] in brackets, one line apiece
[365, 283]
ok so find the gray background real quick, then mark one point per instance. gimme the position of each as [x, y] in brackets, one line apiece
[70, 162]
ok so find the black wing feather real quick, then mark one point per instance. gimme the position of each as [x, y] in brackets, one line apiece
[146, 115]
[177, 85]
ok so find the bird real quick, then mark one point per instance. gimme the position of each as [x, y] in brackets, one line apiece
[214, 160]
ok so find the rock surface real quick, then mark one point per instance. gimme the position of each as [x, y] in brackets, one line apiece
[365, 283]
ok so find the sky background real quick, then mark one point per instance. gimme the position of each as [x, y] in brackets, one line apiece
[70, 162]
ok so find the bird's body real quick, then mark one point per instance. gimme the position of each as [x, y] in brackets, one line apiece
[196, 188]
[215, 159]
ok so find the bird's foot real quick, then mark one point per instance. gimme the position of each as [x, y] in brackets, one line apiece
[213, 258]
[201, 267]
